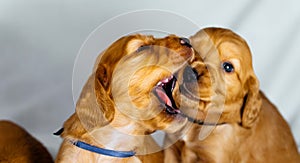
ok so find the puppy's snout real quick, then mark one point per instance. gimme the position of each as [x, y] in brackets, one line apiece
[185, 42]
[190, 75]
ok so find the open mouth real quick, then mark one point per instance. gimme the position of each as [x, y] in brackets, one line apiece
[163, 91]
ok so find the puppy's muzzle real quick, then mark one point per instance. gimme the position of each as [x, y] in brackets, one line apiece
[190, 76]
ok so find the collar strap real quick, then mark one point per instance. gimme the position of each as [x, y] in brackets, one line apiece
[107, 152]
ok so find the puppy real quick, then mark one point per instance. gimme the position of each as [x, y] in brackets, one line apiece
[244, 126]
[130, 95]
[16, 145]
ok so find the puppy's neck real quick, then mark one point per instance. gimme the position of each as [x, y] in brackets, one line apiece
[128, 125]
[124, 134]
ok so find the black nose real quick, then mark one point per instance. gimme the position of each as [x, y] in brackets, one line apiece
[190, 75]
[185, 42]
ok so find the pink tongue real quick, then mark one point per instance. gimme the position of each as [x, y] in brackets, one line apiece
[164, 97]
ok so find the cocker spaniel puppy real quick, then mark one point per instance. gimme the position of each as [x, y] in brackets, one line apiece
[234, 122]
[17, 145]
[131, 94]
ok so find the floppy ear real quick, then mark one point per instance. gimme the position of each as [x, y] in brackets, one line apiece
[102, 76]
[252, 103]
[94, 107]
[102, 93]
[90, 112]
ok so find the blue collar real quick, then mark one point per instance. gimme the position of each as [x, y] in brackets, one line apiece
[107, 152]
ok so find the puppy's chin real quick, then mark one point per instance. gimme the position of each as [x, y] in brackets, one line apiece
[166, 121]
[178, 122]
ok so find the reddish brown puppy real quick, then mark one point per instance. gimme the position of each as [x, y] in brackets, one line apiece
[249, 128]
[16, 145]
[128, 97]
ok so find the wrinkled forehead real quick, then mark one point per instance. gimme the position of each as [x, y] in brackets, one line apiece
[120, 48]
[219, 45]
[123, 47]
[235, 50]
[129, 44]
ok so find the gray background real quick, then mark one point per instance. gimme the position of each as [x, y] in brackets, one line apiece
[39, 41]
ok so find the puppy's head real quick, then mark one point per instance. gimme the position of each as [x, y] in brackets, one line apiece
[136, 77]
[227, 83]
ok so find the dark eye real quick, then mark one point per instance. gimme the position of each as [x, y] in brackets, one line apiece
[141, 48]
[228, 67]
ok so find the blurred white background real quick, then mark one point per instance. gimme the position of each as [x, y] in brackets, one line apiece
[39, 41]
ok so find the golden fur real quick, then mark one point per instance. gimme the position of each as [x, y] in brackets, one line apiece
[16, 145]
[117, 109]
[250, 128]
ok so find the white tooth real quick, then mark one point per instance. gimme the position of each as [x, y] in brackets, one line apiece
[159, 83]
[165, 80]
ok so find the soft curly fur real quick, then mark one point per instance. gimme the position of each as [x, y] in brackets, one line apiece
[250, 128]
[17, 145]
[117, 108]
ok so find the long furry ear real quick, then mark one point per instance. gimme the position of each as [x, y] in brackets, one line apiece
[94, 107]
[252, 103]
[103, 96]
[102, 76]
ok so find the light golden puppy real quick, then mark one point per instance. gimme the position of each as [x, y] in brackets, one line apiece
[246, 126]
[130, 95]
[17, 145]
